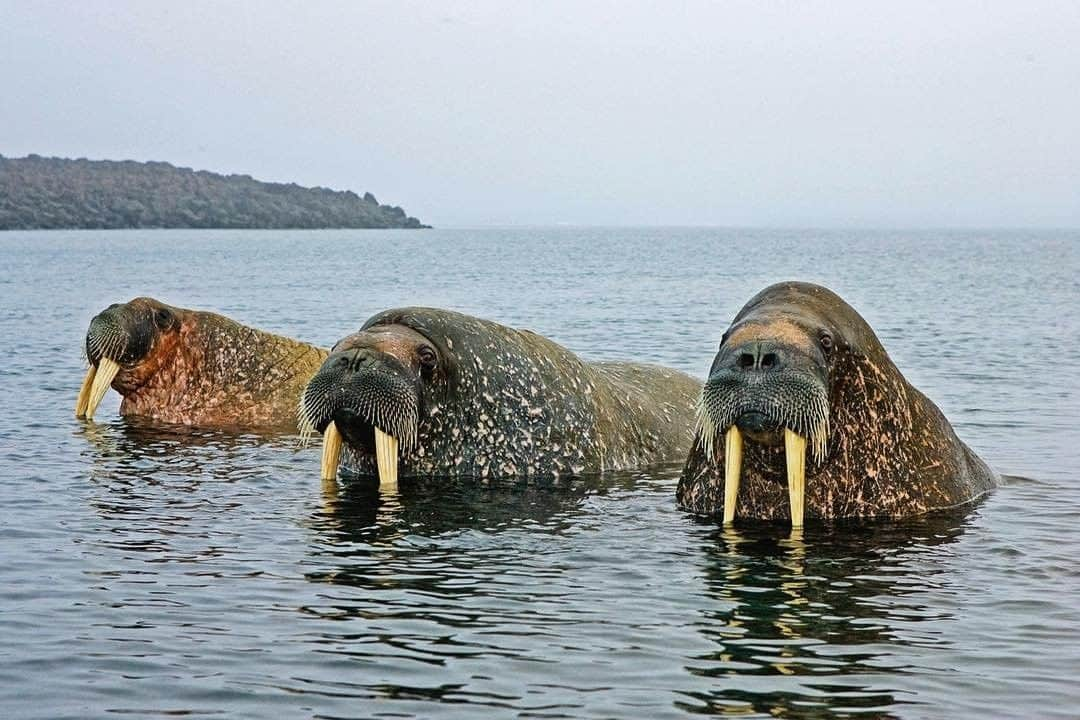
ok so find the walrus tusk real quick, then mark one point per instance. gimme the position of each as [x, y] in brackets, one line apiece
[103, 378]
[331, 452]
[795, 450]
[732, 471]
[84, 392]
[386, 453]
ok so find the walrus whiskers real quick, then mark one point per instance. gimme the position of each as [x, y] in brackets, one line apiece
[704, 427]
[109, 344]
[305, 419]
[717, 411]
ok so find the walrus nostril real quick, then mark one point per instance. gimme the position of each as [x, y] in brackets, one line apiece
[355, 359]
[362, 359]
[758, 356]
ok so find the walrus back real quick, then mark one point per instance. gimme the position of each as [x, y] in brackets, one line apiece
[238, 375]
[515, 402]
[658, 403]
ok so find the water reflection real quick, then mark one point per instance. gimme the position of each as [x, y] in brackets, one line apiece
[468, 577]
[816, 625]
[357, 511]
[129, 447]
[165, 488]
[365, 530]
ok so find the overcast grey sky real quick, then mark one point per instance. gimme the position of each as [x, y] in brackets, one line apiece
[719, 113]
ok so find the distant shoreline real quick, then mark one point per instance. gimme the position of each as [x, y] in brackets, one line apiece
[40, 193]
[4, 231]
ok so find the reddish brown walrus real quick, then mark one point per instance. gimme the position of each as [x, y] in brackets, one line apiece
[798, 364]
[194, 368]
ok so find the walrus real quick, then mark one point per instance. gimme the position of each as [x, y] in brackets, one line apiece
[797, 367]
[421, 391]
[194, 368]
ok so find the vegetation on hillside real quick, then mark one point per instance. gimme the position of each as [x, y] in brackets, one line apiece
[52, 193]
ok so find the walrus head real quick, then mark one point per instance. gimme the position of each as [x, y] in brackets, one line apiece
[773, 379]
[370, 392]
[125, 345]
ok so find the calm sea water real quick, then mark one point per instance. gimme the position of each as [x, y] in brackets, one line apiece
[151, 571]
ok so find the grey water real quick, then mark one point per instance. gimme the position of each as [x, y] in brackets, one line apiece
[153, 571]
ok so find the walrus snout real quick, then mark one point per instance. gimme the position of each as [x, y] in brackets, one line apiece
[757, 422]
[106, 337]
[125, 333]
[361, 385]
[367, 399]
[776, 393]
[765, 402]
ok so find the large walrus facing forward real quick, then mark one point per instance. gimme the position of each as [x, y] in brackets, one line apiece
[194, 368]
[432, 392]
[799, 366]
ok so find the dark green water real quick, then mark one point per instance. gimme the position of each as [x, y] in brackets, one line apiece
[151, 571]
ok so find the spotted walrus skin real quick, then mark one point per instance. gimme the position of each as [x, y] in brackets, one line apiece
[195, 368]
[467, 397]
[879, 447]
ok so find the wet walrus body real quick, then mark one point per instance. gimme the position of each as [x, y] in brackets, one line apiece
[470, 398]
[194, 368]
[799, 365]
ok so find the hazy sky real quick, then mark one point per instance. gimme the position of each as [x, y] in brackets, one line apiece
[720, 113]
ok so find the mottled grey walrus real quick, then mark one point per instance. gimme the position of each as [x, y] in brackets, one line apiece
[465, 397]
[194, 368]
[799, 365]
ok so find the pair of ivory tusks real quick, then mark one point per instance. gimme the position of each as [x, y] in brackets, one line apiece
[795, 452]
[94, 385]
[386, 455]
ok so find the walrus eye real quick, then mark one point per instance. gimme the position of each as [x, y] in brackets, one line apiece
[162, 318]
[826, 342]
[427, 357]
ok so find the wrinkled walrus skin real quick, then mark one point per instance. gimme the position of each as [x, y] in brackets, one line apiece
[471, 398]
[199, 368]
[888, 452]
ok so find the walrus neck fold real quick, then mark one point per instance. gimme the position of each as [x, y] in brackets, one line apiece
[221, 352]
